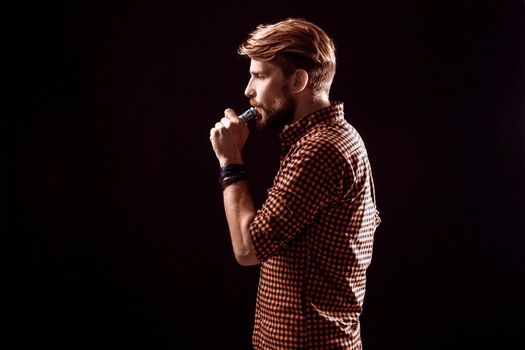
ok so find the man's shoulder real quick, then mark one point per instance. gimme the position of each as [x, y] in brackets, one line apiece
[333, 137]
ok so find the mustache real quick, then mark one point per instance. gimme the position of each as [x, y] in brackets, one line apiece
[254, 104]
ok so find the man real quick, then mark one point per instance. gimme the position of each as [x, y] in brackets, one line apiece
[313, 235]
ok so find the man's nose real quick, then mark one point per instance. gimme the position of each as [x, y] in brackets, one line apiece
[249, 91]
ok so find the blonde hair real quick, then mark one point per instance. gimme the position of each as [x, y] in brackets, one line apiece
[294, 44]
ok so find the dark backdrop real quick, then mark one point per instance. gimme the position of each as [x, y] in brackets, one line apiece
[113, 234]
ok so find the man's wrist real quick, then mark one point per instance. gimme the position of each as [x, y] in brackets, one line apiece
[233, 160]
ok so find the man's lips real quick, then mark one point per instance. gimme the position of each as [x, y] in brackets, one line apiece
[258, 108]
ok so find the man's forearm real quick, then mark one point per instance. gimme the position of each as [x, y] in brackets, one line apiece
[240, 211]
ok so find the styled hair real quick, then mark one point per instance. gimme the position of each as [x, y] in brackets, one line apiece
[294, 44]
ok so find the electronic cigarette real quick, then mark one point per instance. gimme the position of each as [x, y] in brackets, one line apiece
[249, 114]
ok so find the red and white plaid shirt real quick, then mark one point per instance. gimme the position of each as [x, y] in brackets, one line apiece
[314, 237]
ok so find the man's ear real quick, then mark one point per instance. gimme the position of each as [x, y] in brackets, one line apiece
[300, 81]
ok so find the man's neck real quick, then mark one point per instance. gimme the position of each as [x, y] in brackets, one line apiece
[310, 105]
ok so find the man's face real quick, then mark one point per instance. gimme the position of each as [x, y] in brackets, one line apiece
[269, 91]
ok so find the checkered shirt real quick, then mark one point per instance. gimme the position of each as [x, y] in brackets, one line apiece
[314, 237]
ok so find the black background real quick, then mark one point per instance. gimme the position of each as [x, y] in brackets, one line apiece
[113, 232]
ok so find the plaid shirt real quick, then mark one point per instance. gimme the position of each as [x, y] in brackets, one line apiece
[314, 237]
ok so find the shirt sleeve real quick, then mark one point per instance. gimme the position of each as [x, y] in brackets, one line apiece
[307, 180]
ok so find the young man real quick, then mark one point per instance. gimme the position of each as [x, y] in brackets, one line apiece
[313, 235]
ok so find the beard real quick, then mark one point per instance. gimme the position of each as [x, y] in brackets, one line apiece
[277, 119]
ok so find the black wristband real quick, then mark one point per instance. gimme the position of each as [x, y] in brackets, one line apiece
[232, 169]
[226, 181]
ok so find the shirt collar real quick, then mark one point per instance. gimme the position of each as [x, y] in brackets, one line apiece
[293, 132]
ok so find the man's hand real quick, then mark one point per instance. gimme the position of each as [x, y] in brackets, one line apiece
[228, 138]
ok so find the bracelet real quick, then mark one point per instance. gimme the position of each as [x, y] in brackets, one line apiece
[231, 174]
[225, 182]
[232, 169]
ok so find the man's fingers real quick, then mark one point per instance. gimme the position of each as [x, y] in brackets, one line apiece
[230, 117]
[216, 129]
[226, 122]
[230, 113]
